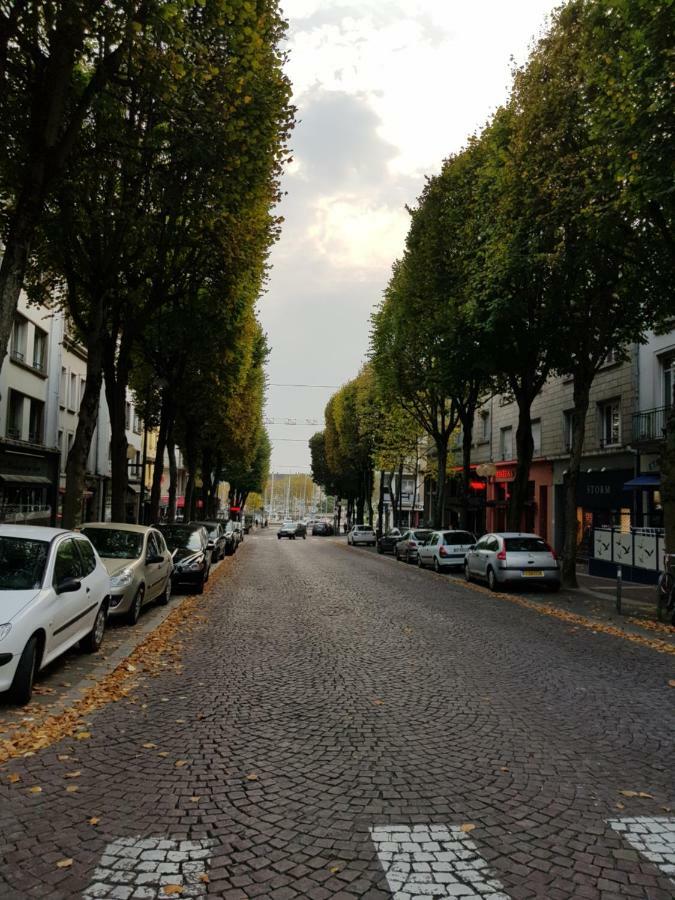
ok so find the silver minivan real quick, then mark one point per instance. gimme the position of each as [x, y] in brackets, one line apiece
[513, 557]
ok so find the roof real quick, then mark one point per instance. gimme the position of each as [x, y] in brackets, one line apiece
[118, 526]
[510, 534]
[32, 532]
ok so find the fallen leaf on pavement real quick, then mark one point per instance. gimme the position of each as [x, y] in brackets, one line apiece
[335, 869]
[195, 799]
[251, 776]
[671, 683]
[163, 753]
[643, 794]
[64, 864]
[204, 878]
[13, 778]
[94, 820]
[172, 889]
[180, 762]
[378, 702]
[466, 827]
[73, 774]
[620, 805]
[36, 789]
[82, 735]
[63, 756]
[72, 789]
[503, 769]
[130, 667]
[150, 746]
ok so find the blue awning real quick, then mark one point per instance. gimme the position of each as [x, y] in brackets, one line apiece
[641, 482]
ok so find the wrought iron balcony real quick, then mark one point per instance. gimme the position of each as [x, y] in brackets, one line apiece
[650, 425]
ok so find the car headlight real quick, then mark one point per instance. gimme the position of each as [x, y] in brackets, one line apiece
[195, 566]
[5, 630]
[122, 579]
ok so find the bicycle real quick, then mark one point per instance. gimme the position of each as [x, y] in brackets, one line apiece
[666, 590]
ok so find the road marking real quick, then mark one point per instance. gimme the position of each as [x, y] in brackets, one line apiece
[140, 868]
[433, 861]
[652, 837]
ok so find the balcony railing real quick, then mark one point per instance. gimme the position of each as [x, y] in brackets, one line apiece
[650, 425]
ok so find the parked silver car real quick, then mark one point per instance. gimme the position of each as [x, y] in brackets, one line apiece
[513, 557]
[138, 562]
[406, 547]
[445, 549]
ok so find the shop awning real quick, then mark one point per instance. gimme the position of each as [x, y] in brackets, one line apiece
[11, 478]
[640, 482]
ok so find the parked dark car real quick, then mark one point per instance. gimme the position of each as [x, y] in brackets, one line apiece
[322, 528]
[301, 530]
[388, 541]
[191, 554]
[231, 538]
[216, 535]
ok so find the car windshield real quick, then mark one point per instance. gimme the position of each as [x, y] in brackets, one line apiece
[421, 535]
[229, 527]
[115, 543]
[179, 537]
[22, 563]
[458, 537]
[525, 545]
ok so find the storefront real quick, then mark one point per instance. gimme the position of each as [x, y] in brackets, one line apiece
[537, 513]
[28, 485]
[602, 499]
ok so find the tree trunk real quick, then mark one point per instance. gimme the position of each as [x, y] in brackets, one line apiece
[189, 495]
[360, 505]
[582, 390]
[380, 506]
[668, 481]
[206, 480]
[173, 473]
[393, 497]
[525, 452]
[76, 466]
[158, 471]
[442, 460]
[467, 438]
[369, 483]
[116, 380]
[399, 493]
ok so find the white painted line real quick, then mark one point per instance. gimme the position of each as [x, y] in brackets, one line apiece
[138, 868]
[424, 861]
[652, 837]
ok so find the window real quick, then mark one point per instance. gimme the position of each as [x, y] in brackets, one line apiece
[83, 384]
[153, 549]
[36, 421]
[63, 388]
[88, 557]
[67, 563]
[485, 426]
[610, 423]
[567, 428]
[536, 436]
[506, 443]
[492, 544]
[668, 369]
[40, 350]
[73, 398]
[127, 416]
[19, 338]
[137, 423]
[15, 416]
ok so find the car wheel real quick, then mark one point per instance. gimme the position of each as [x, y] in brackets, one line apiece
[165, 596]
[200, 587]
[136, 606]
[379, 549]
[279, 536]
[92, 642]
[467, 572]
[419, 562]
[437, 568]
[398, 558]
[493, 584]
[555, 587]
[21, 690]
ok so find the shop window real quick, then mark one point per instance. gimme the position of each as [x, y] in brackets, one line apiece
[15, 416]
[485, 426]
[506, 443]
[19, 339]
[40, 350]
[36, 422]
[536, 436]
[610, 423]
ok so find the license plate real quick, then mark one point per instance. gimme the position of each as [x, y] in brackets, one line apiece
[533, 573]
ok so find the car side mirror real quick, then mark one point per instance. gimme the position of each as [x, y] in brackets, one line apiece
[68, 585]
[154, 559]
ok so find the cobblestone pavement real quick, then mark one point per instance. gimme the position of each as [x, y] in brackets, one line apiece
[347, 728]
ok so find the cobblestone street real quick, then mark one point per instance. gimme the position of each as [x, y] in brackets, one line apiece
[344, 727]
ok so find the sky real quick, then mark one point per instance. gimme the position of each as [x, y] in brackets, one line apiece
[384, 90]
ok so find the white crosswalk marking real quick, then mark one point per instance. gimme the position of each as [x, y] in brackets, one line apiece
[140, 868]
[425, 861]
[652, 837]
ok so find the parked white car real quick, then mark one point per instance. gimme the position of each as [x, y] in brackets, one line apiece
[515, 558]
[54, 592]
[445, 550]
[361, 534]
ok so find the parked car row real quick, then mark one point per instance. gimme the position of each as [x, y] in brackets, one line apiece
[59, 587]
[498, 559]
[292, 530]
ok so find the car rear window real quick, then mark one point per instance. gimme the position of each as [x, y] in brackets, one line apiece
[421, 535]
[115, 543]
[525, 545]
[454, 538]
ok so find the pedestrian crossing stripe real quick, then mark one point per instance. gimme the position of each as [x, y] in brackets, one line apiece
[433, 861]
[652, 837]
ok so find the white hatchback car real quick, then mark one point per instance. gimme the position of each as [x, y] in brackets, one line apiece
[362, 534]
[54, 592]
[445, 550]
